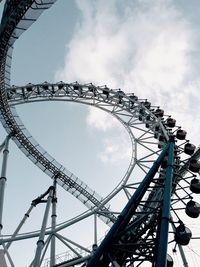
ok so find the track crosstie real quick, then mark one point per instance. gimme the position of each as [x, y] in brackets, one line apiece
[149, 129]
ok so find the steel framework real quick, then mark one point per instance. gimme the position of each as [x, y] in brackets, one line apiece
[160, 154]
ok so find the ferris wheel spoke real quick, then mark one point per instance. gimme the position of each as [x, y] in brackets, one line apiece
[145, 231]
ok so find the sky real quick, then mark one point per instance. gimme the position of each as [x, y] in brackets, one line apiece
[149, 47]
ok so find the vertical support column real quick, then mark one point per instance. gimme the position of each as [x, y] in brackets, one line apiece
[53, 227]
[125, 215]
[165, 216]
[3, 179]
[40, 242]
[95, 228]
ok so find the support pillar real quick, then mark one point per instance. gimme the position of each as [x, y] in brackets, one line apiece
[26, 215]
[95, 228]
[53, 227]
[3, 179]
[165, 215]
[40, 242]
[2, 259]
[125, 215]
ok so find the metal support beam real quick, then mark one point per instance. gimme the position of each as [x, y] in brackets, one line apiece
[26, 216]
[53, 227]
[46, 245]
[183, 257]
[73, 243]
[74, 262]
[68, 246]
[165, 211]
[95, 229]
[126, 214]
[2, 259]
[40, 242]
[11, 264]
[3, 179]
[185, 263]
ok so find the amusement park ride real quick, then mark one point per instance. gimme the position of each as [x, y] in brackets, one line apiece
[165, 160]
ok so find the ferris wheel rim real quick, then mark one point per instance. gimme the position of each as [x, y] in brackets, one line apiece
[49, 98]
[10, 109]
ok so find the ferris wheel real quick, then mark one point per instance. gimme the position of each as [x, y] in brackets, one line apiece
[157, 190]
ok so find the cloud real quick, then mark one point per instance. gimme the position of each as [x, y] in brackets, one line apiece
[116, 149]
[141, 46]
[100, 120]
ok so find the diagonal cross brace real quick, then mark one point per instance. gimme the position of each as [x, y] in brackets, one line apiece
[99, 258]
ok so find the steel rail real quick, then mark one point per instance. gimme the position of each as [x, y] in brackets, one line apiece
[17, 17]
[16, 97]
[90, 95]
[47, 163]
[31, 148]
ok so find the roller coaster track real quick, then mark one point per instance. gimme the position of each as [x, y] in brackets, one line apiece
[12, 27]
[152, 127]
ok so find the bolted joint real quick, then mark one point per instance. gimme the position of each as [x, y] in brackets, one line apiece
[5, 150]
[12, 134]
[3, 178]
[51, 188]
[54, 199]
[40, 242]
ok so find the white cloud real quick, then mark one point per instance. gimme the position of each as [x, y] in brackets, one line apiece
[141, 46]
[101, 120]
[116, 150]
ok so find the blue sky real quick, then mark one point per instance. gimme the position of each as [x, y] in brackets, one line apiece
[151, 48]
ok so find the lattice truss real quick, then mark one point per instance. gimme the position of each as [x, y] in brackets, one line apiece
[153, 203]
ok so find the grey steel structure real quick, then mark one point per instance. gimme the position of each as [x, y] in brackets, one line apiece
[138, 241]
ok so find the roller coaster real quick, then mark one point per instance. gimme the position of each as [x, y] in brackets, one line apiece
[163, 160]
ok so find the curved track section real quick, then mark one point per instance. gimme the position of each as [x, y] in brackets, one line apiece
[17, 17]
[148, 127]
[151, 129]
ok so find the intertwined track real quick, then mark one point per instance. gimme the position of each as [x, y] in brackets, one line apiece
[148, 127]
